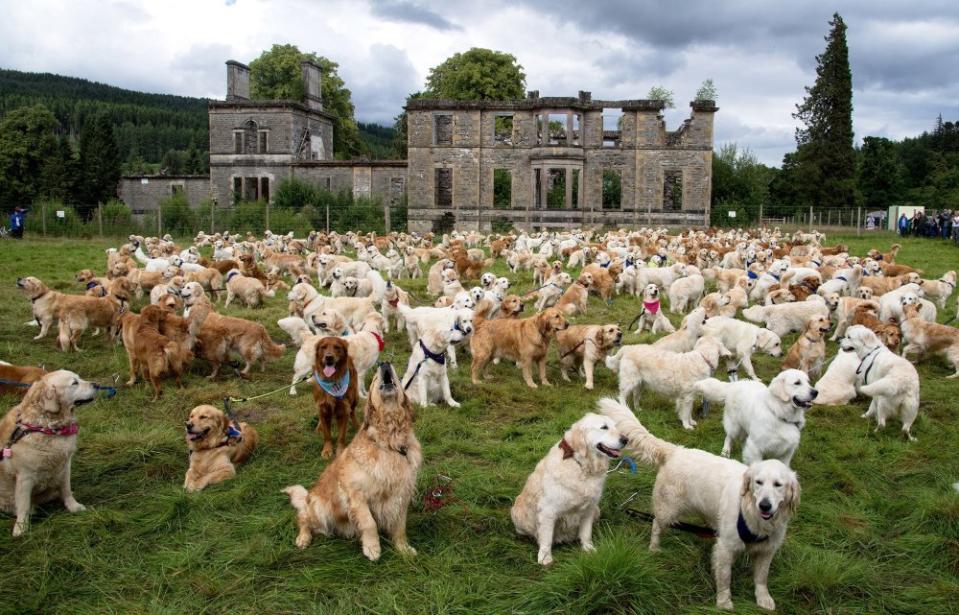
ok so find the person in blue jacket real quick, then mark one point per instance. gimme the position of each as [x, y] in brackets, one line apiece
[16, 222]
[903, 225]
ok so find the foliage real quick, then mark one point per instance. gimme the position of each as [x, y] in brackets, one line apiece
[660, 93]
[612, 189]
[27, 146]
[502, 188]
[99, 162]
[277, 75]
[378, 142]
[880, 173]
[178, 218]
[400, 130]
[477, 74]
[556, 195]
[707, 91]
[826, 114]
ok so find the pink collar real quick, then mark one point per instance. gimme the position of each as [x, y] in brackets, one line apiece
[651, 307]
[379, 339]
[68, 430]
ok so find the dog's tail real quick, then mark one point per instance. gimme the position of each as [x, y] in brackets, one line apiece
[272, 348]
[298, 496]
[712, 390]
[612, 361]
[246, 444]
[884, 387]
[650, 448]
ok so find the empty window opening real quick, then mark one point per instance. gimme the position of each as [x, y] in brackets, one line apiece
[176, 189]
[443, 129]
[502, 188]
[574, 201]
[673, 190]
[444, 188]
[328, 184]
[538, 187]
[265, 189]
[575, 136]
[263, 143]
[612, 127]
[556, 189]
[397, 190]
[238, 142]
[237, 189]
[612, 189]
[557, 128]
[251, 191]
[503, 130]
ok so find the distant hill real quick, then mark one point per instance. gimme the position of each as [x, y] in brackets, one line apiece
[147, 126]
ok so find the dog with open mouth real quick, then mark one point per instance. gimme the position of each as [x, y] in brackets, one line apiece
[560, 501]
[369, 486]
[768, 420]
[39, 439]
[215, 444]
[335, 391]
[748, 506]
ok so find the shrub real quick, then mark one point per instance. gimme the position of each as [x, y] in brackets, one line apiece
[178, 218]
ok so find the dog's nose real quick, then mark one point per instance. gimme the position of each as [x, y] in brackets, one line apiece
[623, 440]
[189, 425]
[814, 393]
[765, 506]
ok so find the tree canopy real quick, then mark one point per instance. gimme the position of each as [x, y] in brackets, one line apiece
[27, 146]
[477, 74]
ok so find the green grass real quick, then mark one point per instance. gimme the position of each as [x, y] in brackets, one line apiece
[877, 530]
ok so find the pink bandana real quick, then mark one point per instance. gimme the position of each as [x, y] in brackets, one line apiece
[651, 307]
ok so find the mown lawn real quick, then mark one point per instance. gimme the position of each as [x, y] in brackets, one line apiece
[877, 530]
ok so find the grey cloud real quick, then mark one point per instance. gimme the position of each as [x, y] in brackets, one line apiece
[381, 84]
[400, 10]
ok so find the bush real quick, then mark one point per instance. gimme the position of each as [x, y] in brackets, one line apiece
[248, 216]
[70, 225]
[295, 194]
[178, 218]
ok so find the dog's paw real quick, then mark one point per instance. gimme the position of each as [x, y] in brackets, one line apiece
[453, 404]
[19, 529]
[765, 602]
[303, 541]
[545, 559]
[75, 507]
[293, 391]
[588, 547]
[327, 452]
[406, 549]
[372, 551]
[725, 604]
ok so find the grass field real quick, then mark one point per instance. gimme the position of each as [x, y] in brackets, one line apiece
[877, 530]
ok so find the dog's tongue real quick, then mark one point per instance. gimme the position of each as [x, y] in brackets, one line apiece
[329, 370]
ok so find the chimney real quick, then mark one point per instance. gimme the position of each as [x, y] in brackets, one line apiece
[311, 85]
[237, 81]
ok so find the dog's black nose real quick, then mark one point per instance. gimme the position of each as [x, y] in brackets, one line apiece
[814, 393]
[189, 425]
[623, 440]
[765, 506]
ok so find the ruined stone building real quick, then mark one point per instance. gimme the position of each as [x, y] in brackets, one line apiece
[539, 162]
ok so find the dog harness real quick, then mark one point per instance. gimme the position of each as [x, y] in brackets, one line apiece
[334, 389]
[428, 355]
[746, 534]
[865, 376]
[23, 429]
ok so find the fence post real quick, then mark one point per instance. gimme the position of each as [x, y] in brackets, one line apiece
[858, 221]
[327, 217]
[267, 221]
[43, 217]
[811, 222]
[159, 221]
[386, 218]
[212, 210]
[829, 218]
[100, 217]
[760, 214]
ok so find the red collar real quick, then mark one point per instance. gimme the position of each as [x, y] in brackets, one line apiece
[379, 339]
[68, 430]
[394, 302]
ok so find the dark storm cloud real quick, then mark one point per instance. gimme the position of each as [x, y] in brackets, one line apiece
[398, 10]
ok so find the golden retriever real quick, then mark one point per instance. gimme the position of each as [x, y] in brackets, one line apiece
[80, 313]
[215, 445]
[335, 391]
[151, 354]
[369, 487]
[580, 347]
[573, 299]
[809, 350]
[248, 290]
[45, 303]
[923, 337]
[524, 340]
[40, 436]
[25, 374]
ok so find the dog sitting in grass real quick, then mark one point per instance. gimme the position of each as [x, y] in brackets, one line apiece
[215, 446]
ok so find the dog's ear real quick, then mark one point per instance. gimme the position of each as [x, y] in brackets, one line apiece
[744, 490]
[542, 322]
[792, 494]
[778, 388]
[576, 437]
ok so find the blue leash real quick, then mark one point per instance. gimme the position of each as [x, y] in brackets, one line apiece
[110, 391]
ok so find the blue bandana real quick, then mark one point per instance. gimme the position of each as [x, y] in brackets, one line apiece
[335, 389]
[751, 274]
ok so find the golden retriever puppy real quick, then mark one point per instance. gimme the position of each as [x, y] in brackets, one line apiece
[369, 487]
[45, 303]
[80, 313]
[573, 299]
[523, 340]
[41, 437]
[560, 501]
[335, 391]
[249, 290]
[923, 337]
[23, 374]
[809, 350]
[580, 347]
[749, 507]
[215, 445]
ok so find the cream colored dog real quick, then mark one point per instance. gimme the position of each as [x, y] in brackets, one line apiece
[560, 501]
[248, 290]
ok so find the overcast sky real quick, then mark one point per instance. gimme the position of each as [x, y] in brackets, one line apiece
[904, 55]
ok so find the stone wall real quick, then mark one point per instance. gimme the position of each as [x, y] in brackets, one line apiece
[143, 193]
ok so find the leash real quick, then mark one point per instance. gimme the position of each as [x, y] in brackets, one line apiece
[110, 391]
[698, 530]
[229, 399]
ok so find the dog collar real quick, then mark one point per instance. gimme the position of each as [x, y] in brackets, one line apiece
[752, 275]
[773, 276]
[710, 365]
[37, 298]
[22, 429]
[438, 357]
[842, 277]
[865, 376]
[951, 284]
[334, 389]
[651, 306]
[379, 340]
[231, 275]
[566, 448]
[458, 327]
[606, 266]
[92, 284]
[746, 534]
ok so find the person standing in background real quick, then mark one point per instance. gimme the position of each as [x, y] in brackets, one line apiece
[16, 222]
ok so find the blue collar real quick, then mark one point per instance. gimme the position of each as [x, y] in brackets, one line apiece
[335, 389]
[746, 534]
[752, 274]
[775, 277]
[92, 284]
[606, 266]
[232, 431]
[841, 277]
[458, 327]
[231, 274]
[438, 357]
[816, 263]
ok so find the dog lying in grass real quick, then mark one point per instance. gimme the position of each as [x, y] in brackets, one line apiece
[215, 446]
[369, 487]
[40, 438]
[560, 501]
[25, 374]
[749, 507]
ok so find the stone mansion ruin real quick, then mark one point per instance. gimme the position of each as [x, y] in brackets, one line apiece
[539, 162]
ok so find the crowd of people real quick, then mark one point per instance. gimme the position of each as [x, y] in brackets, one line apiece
[944, 224]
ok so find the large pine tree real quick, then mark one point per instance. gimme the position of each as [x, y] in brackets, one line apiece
[99, 162]
[825, 141]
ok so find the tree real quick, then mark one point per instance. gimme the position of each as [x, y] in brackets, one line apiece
[707, 91]
[99, 161]
[880, 176]
[660, 93]
[27, 145]
[477, 74]
[277, 75]
[59, 177]
[826, 114]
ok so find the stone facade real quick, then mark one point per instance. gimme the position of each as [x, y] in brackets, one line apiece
[143, 193]
[557, 154]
